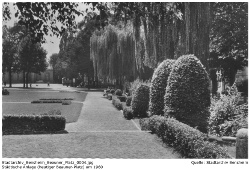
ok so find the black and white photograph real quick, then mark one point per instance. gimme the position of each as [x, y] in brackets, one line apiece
[142, 84]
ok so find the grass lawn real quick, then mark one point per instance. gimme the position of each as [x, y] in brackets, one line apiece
[135, 145]
[28, 96]
[71, 112]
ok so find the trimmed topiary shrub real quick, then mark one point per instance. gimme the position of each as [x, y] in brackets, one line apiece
[21, 124]
[112, 91]
[188, 141]
[128, 101]
[128, 113]
[117, 103]
[118, 92]
[187, 96]
[140, 101]
[158, 87]
[109, 96]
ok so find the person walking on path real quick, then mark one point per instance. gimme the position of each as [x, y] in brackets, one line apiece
[48, 84]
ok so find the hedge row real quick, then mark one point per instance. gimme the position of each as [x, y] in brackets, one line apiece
[21, 124]
[190, 142]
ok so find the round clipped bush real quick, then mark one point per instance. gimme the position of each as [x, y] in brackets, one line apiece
[158, 87]
[187, 96]
[118, 92]
[128, 113]
[140, 101]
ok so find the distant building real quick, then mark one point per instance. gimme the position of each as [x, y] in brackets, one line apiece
[43, 77]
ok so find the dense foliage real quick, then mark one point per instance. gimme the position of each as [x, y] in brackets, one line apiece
[132, 86]
[128, 101]
[229, 37]
[20, 124]
[243, 87]
[227, 117]
[118, 92]
[140, 101]
[187, 95]
[190, 142]
[42, 18]
[158, 87]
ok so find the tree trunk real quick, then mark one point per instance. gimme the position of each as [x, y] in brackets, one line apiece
[27, 79]
[196, 30]
[10, 78]
[213, 78]
[54, 75]
[232, 74]
[23, 79]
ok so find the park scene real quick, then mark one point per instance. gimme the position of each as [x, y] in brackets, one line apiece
[125, 80]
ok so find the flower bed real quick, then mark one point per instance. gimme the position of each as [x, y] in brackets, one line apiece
[56, 99]
[190, 142]
[46, 101]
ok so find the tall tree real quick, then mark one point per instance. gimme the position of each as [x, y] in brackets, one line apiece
[53, 61]
[9, 49]
[194, 31]
[47, 18]
[32, 58]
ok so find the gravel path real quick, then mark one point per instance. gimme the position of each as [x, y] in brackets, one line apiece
[100, 132]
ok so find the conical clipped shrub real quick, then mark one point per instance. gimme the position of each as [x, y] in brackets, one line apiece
[187, 96]
[158, 87]
[140, 101]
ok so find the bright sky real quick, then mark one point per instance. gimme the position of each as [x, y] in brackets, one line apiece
[52, 45]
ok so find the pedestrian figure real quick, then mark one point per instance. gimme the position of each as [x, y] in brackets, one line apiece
[4, 84]
[30, 85]
[48, 84]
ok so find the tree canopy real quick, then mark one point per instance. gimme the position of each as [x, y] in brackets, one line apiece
[229, 37]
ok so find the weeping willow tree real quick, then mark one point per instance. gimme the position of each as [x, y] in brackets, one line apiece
[170, 29]
[155, 32]
[113, 54]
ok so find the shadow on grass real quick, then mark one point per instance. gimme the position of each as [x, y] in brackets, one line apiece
[36, 132]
